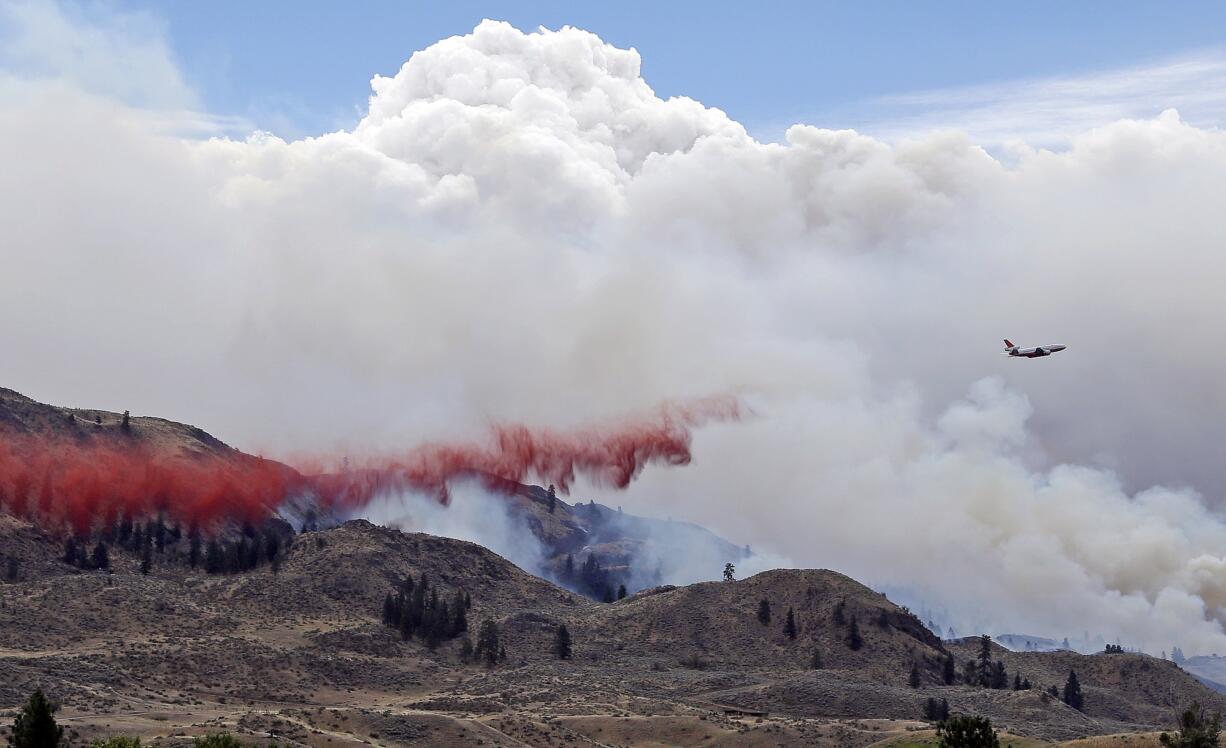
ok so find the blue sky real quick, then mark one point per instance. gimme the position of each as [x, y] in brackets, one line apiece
[304, 68]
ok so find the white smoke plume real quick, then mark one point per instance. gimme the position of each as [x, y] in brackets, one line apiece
[520, 229]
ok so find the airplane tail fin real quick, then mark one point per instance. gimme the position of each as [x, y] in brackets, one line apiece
[1009, 344]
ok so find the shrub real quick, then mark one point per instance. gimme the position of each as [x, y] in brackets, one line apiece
[967, 732]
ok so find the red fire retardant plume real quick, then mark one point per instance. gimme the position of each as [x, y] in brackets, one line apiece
[82, 486]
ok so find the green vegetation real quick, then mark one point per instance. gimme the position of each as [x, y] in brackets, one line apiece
[1196, 730]
[967, 732]
[417, 610]
[729, 572]
[789, 625]
[764, 612]
[854, 640]
[562, 644]
[936, 710]
[1072, 692]
[35, 725]
[488, 649]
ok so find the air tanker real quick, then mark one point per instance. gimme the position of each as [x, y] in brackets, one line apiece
[1038, 352]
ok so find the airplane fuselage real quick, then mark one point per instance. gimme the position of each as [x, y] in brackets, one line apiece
[1036, 352]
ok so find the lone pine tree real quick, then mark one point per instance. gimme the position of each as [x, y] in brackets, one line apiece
[764, 612]
[1072, 692]
[854, 640]
[789, 624]
[561, 643]
[35, 725]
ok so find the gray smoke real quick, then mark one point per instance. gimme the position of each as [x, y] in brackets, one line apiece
[520, 229]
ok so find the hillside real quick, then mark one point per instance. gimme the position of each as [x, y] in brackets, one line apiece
[636, 551]
[22, 416]
[280, 636]
[298, 651]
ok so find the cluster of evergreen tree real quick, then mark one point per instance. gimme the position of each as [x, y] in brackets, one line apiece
[853, 639]
[982, 671]
[78, 554]
[233, 556]
[489, 650]
[591, 579]
[417, 609]
[1113, 649]
[1177, 656]
[936, 710]
[157, 539]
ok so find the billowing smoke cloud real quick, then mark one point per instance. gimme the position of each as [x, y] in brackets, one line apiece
[520, 230]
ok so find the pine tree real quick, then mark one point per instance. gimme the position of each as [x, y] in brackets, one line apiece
[764, 612]
[466, 649]
[854, 641]
[561, 643]
[1000, 678]
[970, 673]
[146, 560]
[608, 594]
[101, 559]
[35, 725]
[214, 558]
[840, 617]
[568, 571]
[729, 572]
[1017, 682]
[1072, 692]
[621, 592]
[193, 552]
[72, 552]
[408, 625]
[159, 534]
[949, 671]
[389, 610]
[459, 616]
[125, 424]
[883, 619]
[984, 665]
[789, 624]
[913, 679]
[488, 648]
[553, 499]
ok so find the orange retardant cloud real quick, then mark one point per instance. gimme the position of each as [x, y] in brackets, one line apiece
[65, 484]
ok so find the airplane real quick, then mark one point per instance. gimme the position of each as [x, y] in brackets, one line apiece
[1043, 350]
